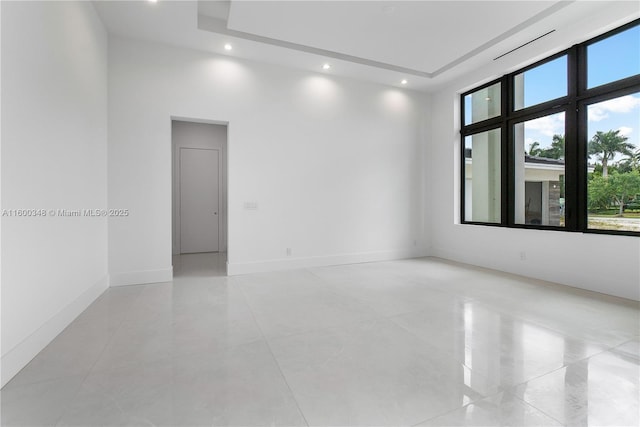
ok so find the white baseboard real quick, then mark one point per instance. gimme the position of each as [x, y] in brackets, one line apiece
[19, 356]
[490, 262]
[141, 277]
[450, 255]
[234, 269]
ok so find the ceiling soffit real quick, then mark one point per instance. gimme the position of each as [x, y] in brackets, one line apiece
[214, 17]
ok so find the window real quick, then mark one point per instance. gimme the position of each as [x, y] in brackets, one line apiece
[482, 176]
[613, 185]
[556, 145]
[539, 171]
[482, 104]
[542, 83]
[614, 58]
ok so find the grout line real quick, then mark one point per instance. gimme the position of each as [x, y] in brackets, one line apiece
[378, 317]
[449, 412]
[538, 409]
[64, 376]
[90, 370]
[293, 396]
[632, 340]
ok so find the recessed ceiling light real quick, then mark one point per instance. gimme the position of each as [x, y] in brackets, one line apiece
[404, 82]
[388, 9]
[228, 47]
[152, 1]
[487, 99]
[326, 66]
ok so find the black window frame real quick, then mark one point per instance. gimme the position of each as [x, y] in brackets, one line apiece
[575, 105]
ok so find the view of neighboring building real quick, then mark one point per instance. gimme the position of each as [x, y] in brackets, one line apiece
[544, 196]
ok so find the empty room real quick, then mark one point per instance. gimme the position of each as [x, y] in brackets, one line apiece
[320, 213]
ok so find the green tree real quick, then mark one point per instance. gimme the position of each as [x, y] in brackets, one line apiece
[534, 149]
[555, 151]
[605, 146]
[600, 193]
[632, 162]
[624, 185]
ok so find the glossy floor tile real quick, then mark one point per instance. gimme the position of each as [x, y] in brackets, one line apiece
[601, 390]
[502, 409]
[374, 373]
[239, 385]
[38, 404]
[496, 345]
[402, 343]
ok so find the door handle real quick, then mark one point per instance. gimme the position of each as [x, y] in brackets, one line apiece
[215, 213]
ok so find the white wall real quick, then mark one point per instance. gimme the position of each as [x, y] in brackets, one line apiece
[54, 136]
[333, 164]
[198, 135]
[607, 264]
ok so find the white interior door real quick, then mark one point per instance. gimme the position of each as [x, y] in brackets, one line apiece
[199, 200]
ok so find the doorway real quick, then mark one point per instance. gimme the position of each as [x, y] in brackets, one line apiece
[199, 175]
[533, 203]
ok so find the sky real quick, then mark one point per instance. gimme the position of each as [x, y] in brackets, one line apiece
[608, 60]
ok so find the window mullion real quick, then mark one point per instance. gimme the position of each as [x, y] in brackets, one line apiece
[507, 152]
[573, 177]
[580, 140]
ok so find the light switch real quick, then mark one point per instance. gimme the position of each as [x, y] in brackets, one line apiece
[251, 206]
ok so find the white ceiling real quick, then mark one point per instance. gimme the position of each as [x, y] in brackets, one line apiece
[421, 35]
[427, 42]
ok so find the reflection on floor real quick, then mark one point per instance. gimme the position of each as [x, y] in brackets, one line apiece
[402, 343]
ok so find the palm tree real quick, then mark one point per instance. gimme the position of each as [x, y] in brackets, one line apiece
[557, 148]
[534, 149]
[633, 160]
[555, 151]
[605, 146]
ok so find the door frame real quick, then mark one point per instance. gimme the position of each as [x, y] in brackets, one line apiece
[179, 196]
[223, 235]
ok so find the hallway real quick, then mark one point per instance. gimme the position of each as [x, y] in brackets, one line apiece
[209, 264]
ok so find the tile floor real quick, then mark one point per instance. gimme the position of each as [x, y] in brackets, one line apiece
[415, 342]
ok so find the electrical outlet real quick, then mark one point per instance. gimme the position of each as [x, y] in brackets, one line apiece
[415, 242]
[288, 251]
[523, 256]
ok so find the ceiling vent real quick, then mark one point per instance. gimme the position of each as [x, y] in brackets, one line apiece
[523, 45]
